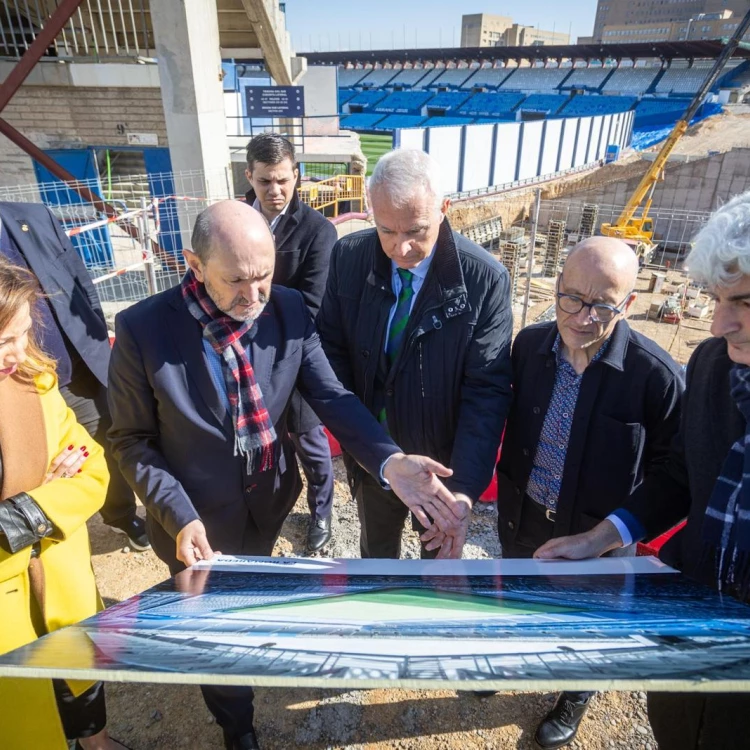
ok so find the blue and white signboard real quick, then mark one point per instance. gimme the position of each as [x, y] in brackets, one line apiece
[275, 101]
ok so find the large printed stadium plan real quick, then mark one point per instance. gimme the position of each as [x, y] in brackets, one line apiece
[614, 623]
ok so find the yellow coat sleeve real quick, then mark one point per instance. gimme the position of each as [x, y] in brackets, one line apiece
[69, 503]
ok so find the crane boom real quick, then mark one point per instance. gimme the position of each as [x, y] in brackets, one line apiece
[626, 219]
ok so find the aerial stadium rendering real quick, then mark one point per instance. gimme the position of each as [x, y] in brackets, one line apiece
[356, 629]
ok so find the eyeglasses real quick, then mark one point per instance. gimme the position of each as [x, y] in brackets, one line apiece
[599, 312]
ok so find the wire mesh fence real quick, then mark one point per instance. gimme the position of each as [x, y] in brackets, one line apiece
[132, 242]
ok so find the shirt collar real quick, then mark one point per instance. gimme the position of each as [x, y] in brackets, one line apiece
[557, 351]
[421, 270]
[275, 220]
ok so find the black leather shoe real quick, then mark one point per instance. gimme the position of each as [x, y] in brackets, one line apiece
[560, 725]
[135, 530]
[318, 533]
[246, 742]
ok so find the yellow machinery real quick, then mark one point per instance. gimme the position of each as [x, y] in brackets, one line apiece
[638, 230]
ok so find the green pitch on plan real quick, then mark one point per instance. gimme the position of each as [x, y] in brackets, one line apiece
[404, 604]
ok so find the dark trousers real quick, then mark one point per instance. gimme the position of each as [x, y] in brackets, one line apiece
[699, 721]
[81, 716]
[232, 706]
[382, 516]
[534, 530]
[314, 456]
[87, 397]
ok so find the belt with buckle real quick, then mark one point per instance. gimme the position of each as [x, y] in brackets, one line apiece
[548, 512]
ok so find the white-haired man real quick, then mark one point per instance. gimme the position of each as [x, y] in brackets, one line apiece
[416, 321]
[705, 479]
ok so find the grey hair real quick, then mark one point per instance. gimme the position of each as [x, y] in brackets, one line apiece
[721, 249]
[202, 235]
[400, 173]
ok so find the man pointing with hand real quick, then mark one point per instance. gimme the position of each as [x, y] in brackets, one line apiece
[201, 379]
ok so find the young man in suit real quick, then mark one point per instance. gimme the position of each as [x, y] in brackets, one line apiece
[705, 479]
[304, 240]
[596, 407]
[74, 333]
[201, 381]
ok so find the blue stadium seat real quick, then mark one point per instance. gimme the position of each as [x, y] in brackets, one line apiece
[550, 103]
[448, 100]
[368, 99]
[583, 106]
[489, 104]
[437, 121]
[400, 121]
[406, 102]
[360, 121]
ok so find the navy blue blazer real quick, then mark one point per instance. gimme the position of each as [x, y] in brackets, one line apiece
[174, 438]
[63, 277]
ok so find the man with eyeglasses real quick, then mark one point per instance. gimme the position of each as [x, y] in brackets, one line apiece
[595, 408]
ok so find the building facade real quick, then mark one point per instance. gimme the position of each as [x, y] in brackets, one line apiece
[487, 30]
[658, 21]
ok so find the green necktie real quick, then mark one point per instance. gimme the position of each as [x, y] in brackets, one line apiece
[397, 329]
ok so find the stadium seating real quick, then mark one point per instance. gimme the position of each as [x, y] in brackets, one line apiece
[437, 121]
[367, 99]
[400, 121]
[583, 106]
[448, 100]
[587, 78]
[630, 80]
[489, 104]
[432, 74]
[535, 79]
[453, 77]
[409, 102]
[360, 121]
[409, 77]
[379, 77]
[345, 95]
[488, 77]
[682, 80]
[550, 103]
[351, 77]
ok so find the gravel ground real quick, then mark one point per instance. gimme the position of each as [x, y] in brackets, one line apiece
[148, 717]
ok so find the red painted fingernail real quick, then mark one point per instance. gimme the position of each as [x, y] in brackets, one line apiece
[70, 447]
[79, 471]
[86, 454]
[83, 447]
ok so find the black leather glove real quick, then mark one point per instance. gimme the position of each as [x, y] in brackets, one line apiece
[22, 523]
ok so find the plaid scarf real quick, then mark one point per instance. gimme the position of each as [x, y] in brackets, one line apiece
[254, 434]
[726, 527]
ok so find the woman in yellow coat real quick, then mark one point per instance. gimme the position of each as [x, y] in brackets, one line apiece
[53, 478]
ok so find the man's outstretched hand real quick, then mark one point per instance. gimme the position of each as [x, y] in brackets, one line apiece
[415, 479]
[451, 545]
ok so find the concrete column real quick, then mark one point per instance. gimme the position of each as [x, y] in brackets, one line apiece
[187, 48]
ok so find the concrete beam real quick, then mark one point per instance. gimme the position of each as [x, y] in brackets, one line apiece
[187, 45]
[276, 54]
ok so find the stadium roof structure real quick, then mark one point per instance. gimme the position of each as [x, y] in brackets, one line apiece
[638, 50]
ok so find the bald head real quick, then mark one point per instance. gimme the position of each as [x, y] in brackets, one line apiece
[233, 255]
[607, 260]
[595, 290]
[227, 224]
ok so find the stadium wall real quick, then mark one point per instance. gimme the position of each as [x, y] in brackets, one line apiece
[476, 157]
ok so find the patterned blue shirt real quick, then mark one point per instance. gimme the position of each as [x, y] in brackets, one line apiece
[546, 475]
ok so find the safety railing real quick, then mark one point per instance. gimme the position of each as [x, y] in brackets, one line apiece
[99, 28]
[343, 193]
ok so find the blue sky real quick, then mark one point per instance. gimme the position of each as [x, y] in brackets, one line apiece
[342, 25]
